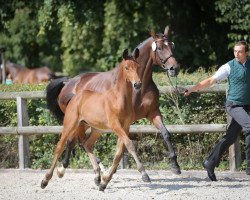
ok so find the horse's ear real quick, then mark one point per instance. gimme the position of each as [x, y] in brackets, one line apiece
[167, 31]
[125, 54]
[137, 53]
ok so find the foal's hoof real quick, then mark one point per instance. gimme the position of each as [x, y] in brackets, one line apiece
[44, 184]
[97, 181]
[102, 187]
[176, 170]
[146, 178]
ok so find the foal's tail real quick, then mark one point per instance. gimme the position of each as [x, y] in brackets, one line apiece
[52, 92]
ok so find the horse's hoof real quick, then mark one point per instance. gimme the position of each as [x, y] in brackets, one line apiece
[146, 178]
[44, 184]
[102, 187]
[97, 181]
[176, 170]
[60, 172]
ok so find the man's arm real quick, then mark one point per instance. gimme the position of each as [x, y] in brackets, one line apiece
[205, 83]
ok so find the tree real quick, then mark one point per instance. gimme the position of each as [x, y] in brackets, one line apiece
[235, 13]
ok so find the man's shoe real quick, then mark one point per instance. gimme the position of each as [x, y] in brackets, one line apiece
[210, 170]
[248, 171]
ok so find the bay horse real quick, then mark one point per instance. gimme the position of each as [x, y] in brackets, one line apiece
[156, 50]
[22, 74]
[110, 110]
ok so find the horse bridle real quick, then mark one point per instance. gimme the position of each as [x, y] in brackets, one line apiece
[165, 68]
[163, 62]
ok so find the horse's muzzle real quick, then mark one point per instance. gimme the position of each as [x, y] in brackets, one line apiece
[137, 86]
[173, 71]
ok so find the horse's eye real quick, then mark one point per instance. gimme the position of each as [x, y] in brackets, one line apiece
[159, 48]
[126, 67]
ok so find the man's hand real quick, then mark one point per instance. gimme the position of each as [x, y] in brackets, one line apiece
[186, 93]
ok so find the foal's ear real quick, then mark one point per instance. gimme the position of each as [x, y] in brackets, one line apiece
[137, 53]
[125, 54]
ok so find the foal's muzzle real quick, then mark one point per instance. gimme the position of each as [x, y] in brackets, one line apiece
[137, 86]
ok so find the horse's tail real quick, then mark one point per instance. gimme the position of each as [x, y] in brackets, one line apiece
[52, 92]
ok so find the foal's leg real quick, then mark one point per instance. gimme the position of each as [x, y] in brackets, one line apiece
[120, 147]
[90, 142]
[68, 132]
[80, 132]
[156, 119]
[89, 146]
[123, 140]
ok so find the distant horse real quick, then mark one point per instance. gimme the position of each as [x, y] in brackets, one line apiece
[22, 74]
[110, 110]
[156, 50]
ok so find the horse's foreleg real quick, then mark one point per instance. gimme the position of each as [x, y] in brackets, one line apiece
[131, 149]
[107, 176]
[89, 146]
[158, 123]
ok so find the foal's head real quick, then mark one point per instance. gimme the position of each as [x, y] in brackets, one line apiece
[163, 52]
[130, 68]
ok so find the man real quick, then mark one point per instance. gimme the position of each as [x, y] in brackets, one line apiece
[237, 71]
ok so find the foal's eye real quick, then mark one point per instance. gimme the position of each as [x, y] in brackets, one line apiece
[126, 67]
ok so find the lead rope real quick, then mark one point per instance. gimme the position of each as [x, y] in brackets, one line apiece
[175, 88]
[175, 98]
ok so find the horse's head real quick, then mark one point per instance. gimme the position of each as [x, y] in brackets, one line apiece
[130, 67]
[44, 74]
[163, 52]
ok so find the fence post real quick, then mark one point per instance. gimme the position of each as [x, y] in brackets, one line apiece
[23, 141]
[2, 50]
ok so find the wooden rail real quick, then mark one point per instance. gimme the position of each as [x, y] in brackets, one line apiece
[24, 130]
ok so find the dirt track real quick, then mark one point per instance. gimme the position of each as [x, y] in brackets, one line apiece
[126, 184]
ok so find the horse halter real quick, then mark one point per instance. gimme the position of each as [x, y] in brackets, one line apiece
[155, 48]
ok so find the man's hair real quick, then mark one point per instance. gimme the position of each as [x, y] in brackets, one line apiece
[244, 43]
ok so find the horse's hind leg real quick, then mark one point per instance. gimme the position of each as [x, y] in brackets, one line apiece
[58, 152]
[80, 132]
[68, 133]
[90, 141]
[157, 121]
[69, 147]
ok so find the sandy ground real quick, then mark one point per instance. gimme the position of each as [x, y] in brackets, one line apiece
[126, 184]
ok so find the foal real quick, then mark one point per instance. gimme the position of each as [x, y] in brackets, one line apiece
[111, 110]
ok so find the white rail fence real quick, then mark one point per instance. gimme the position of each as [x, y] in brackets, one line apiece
[23, 130]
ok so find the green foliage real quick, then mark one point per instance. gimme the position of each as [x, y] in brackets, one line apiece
[236, 13]
[77, 36]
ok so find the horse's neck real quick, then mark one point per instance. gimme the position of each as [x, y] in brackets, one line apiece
[146, 67]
